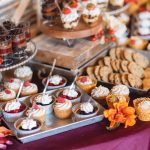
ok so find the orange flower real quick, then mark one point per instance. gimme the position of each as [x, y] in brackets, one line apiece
[121, 113]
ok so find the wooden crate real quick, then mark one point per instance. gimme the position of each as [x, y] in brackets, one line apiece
[71, 58]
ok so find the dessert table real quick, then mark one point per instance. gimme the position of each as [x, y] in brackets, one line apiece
[93, 137]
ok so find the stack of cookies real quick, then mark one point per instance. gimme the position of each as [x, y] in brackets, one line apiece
[122, 66]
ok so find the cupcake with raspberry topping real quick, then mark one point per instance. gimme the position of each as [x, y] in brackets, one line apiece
[13, 84]
[26, 126]
[69, 18]
[29, 89]
[62, 108]
[44, 100]
[86, 83]
[55, 82]
[91, 14]
[7, 95]
[13, 110]
[73, 95]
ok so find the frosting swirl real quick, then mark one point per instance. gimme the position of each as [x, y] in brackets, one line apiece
[65, 105]
[55, 79]
[70, 93]
[13, 105]
[86, 107]
[94, 12]
[145, 105]
[23, 71]
[7, 94]
[100, 91]
[144, 15]
[28, 124]
[120, 90]
[43, 99]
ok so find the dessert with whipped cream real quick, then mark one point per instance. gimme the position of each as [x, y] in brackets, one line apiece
[69, 18]
[62, 108]
[100, 93]
[24, 73]
[7, 95]
[13, 84]
[29, 89]
[116, 3]
[25, 126]
[13, 110]
[86, 83]
[91, 14]
[55, 81]
[137, 43]
[142, 107]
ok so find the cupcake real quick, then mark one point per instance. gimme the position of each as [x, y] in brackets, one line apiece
[13, 110]
[86, 83]
[142, 107]
[137, 43]
[44, 101]
[62, 108]
[7, 95]
[102, 4]
[24, 73]
[116, 3]
[13, 84]
[36, 113]
[29, 89]
[55, 82]
[91, 14]
[25, 126]
[73, 95]
[85, 110]
[100, 93]
[69, 18]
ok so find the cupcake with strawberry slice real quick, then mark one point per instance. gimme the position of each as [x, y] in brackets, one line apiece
[69, 18]
[91, 14]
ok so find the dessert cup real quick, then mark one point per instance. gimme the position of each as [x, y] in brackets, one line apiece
[26, 132]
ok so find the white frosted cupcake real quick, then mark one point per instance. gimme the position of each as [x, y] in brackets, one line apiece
[37, 113]
[91, 14]
[24, 73]
[29, 89]
[13, 110]
[100, 93]
[25, 126]
[69, 18]
[56, 81]
[44, 101]
[73, 95]
[13, 84]
[85, 110]
[62, 108]
[7, 95]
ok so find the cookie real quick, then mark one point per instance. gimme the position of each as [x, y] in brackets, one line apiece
[138, 82]
[118, 52]
[147, 72]
[146, 84]
[124, 66]
[132, 80]
[107, 61]
[112, 53]
[114, 67]
[117, 78]
[128, 55]
[141, 60]
[118, 62]
[90, 72]
[96, 72]
[124, 79]
[111, 77]
[101, 62]
[136, 69]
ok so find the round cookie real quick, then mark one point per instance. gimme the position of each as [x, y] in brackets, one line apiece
[111, 77]
[107, 60]
[138, 82]
[132, 80]
[114, 67]
[124, 79]
[112, 53]
[117, 78]
[124, 66]
[101, 62]
[96, 72]
[118, 52]
[128, 55]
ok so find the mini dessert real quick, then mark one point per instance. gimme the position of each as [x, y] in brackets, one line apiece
[102, 4]
[86, 83]
[56, 81]
[70, 94]
[62, 108]
[142, 107]
[137, 43]
[13, 110]
[69, 18]
[116, 3]
[100, 93]
[91, 14]
[25, 126]
[13, 84]
[29, 89]
[44, 101]
[85, 110]
[36, 113]
[7, 95]
[24, 73]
